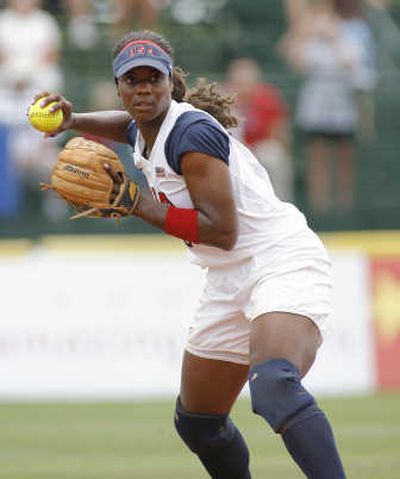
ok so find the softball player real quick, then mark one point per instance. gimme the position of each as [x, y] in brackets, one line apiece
[263, 310]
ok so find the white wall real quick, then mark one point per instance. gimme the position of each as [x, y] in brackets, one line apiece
[102, 325]
[345, 362]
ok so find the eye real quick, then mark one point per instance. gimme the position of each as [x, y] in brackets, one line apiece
[128, 79]
[155, 78]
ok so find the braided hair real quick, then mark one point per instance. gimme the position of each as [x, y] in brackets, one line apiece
[204, 95]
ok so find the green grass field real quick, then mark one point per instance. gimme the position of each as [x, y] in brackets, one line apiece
[137, 440]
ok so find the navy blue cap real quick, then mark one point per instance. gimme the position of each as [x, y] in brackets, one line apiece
[139, 53]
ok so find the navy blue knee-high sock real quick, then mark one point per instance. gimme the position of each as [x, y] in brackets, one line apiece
[216, 441]
[279, 397]
[309, 439]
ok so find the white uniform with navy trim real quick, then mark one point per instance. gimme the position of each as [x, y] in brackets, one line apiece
[277, 264]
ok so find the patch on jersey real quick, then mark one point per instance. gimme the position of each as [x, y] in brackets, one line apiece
[160, 172]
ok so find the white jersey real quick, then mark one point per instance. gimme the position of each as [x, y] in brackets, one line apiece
[264, 220]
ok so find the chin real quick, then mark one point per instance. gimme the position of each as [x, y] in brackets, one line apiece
[149, 117]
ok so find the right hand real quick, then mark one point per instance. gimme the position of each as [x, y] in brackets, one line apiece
[61, 104]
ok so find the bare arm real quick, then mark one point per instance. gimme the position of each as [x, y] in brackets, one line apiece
[210, 188]
[107, 124]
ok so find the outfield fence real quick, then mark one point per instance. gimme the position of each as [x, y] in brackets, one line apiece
[106, 317]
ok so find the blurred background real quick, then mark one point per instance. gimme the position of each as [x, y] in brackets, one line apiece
[92, 314]
[323, 118]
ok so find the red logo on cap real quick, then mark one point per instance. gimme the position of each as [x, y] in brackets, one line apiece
[141, 50]
[145, 48]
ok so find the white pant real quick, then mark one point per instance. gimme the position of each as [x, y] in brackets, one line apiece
[293, 276]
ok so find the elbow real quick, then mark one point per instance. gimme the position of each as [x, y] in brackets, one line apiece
[227, 239]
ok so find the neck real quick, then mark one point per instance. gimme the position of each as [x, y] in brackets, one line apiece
[149, 130]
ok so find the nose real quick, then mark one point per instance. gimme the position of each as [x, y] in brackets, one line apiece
[144, 87]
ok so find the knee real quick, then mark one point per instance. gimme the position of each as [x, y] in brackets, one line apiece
[203, 432]
[276, 392]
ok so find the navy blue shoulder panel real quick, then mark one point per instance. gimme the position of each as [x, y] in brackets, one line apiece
[196, 131]
[131, 133]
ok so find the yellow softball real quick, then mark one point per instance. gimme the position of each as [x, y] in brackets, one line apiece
[43, 119]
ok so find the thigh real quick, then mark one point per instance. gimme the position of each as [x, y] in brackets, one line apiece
[286, 336]
[210, 386]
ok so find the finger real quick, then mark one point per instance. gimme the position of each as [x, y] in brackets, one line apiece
[50, 98]
[116, 181]
[40, 95]
[57, 106]
[46, 101]
[114, 192]
[114, 176]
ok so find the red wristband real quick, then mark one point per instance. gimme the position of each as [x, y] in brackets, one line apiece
[182, 223]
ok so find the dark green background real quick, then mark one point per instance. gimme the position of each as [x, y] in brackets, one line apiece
[252, 28]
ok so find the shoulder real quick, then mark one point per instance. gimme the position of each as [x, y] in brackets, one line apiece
[196, 131]
[196, 123]
[131, 132]
[195, 119]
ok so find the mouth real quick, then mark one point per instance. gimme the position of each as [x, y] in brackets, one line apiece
[143, 106]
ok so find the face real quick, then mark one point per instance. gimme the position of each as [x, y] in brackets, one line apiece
[24, 6]
[145, 93]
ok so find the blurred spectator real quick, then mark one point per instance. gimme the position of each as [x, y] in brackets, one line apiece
[141, 13]
[30, 43]
[120, 15]
[357, 32]
[82, 29]
[330, 44]
[29, 62]
[264, 125]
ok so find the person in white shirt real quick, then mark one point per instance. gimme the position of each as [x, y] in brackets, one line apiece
[331, 47]
[30, 44]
